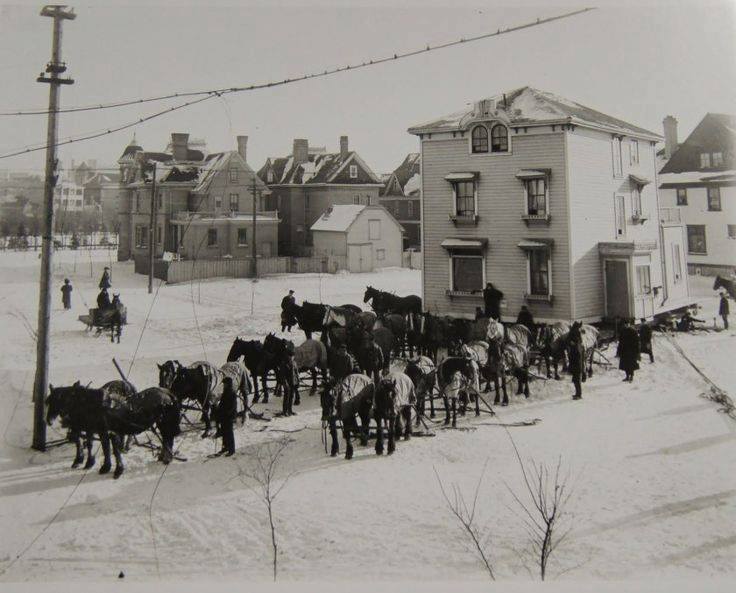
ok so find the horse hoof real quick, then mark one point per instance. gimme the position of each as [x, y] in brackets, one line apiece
[118, 472]
[407, 437]
[505, 404]
[333, 454]
[105, 469]
[77, 463]
[90, 463]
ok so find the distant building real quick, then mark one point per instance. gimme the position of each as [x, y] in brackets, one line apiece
[203, 203]
[68, 195]
[551, 201]
[698, 188]
[368, 236]
[308, 181]
[401, 196]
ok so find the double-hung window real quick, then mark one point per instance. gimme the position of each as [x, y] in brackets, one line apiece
[617, 164]
[536, 196]
[682, 196]
[464, 198]
[242, 237]
[539, 272]
[717, 159]
[705, 160]
[634, 152]
[353, 171]
[479, 139]
[696, 243]
[714, 199]
[233, 175]
[141, 236]
[636, 202]
[234, 202]
[467, 272]
[211, 237]
[499, 138]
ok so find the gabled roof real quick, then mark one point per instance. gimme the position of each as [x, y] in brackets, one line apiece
[530, 106]
[321, 168]
[716, 132]
[338, 218]
[405, 179]
[223, 161]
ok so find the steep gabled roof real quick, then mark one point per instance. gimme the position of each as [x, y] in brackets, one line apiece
[338, 218]
[407, 173]
[530, 106]
[716, 132]
[320, 168]
[222, 162]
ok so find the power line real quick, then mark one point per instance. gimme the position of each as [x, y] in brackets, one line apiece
[328, 72]
[219, 92]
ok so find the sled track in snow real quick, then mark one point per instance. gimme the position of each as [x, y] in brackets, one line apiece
[715, 394]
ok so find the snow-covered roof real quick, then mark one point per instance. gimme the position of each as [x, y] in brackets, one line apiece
[338, 218]
[696, 177]
[530, 106]
[414, 184]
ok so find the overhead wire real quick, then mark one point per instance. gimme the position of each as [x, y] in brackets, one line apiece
[328, 72]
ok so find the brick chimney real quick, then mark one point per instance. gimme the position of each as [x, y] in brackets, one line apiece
[179, 146]
[344, 146]
[669, 124]
[243, 147]
[300, 151]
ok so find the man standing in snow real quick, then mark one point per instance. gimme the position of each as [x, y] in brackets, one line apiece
[645, 339]
[227, 410]
[723, 309]
[576, 359]
[105, 280]
[492, 301]
[628, 350]
[66, 294]
[287, 311]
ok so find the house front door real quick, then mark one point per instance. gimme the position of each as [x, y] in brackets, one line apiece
[617, 288]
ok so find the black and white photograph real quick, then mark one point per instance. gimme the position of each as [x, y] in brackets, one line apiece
[322, 295]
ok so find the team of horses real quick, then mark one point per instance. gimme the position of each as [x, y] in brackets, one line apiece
[382, 365]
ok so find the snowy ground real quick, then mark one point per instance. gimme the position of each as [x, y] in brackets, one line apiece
[653, 463]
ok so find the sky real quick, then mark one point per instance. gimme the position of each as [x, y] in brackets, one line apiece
[638, 61]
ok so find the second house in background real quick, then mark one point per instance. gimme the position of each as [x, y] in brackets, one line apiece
[310, 180]
[402, 197]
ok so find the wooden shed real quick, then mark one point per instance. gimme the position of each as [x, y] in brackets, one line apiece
[368, 236]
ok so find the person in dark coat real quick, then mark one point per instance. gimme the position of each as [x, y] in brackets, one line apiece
[526, 319]
[66, 294]
[645, 339]
[724, 309]
[342, 363]
[492, 301]
[479, 314]
[227, 411]
[687, 322]
[628, 350]
[576, 359]
[375, 355]
[105, 280]
[103, 304]
[287, 311]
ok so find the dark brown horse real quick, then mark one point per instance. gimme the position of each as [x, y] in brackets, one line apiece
[346, 400]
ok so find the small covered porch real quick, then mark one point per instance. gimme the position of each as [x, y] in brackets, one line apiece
[631, 278]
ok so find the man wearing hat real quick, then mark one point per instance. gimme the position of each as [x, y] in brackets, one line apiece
[723, 309]
[227, 410]
[105, 280]
[287, 311]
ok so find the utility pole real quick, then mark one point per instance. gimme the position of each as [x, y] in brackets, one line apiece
[53, 69]
[254, 191]
[152, 232]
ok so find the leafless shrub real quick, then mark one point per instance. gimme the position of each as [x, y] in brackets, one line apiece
[545, 512]
[263, 476]
[465, 515]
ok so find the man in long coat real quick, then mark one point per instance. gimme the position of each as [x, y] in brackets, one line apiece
[645, 339]
[724, 309]
[628, 350]
[66, 294]
[576, 359]
[492, 301]
[105, 280]
[287, 311]
[227, 411]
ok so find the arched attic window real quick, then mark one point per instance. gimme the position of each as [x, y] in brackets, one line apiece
[499, 138]
[479, 139]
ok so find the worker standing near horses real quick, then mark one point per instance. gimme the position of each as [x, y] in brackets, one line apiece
[492, 301]
[66, 294]
[227, 411]
[724, 309]
[105, 280]
[628, 350]
[287, 311]
[645, 339]
[526, 319]
[576, 359]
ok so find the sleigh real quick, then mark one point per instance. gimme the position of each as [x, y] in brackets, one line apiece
[110, 320]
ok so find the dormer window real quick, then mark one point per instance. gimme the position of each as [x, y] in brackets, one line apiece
[233, 175]
[479, 139]
[269, 176]
[705, 160]
[499, 138]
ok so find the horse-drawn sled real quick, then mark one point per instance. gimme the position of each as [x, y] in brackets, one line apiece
[112, 319]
